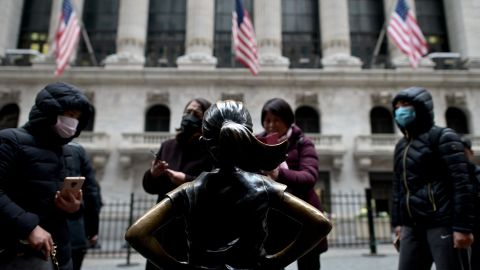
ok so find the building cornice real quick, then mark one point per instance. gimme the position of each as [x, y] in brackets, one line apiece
[293, 78]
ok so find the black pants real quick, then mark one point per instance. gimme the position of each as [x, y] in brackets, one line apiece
[419, 248]
[77, 257]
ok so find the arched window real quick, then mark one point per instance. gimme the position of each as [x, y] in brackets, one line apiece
[457, 120]
[157, 118]
[91, 121]
[222, 49]
[307, 119]
[166, 32]
[101, 21]
[300, 33]
[9, 116]
[431, 19]
[366, 19]
[34, 28]
[381, 120]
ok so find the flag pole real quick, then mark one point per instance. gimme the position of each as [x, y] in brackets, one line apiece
[88, 44]
[381, 36]
[86, 39]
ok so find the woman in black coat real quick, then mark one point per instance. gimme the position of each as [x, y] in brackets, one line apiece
[178, 160]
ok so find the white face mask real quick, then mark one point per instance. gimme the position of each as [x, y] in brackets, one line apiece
[66, 126]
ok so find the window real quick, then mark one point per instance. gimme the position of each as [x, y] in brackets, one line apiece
[381, 185]
[381, 120]
[166, 32]
[431, 19]
[300, 33]
[366, 19]
[100, 19]
[457, 120]
[9, 116]
[307, 119]
[223, 32]
[34, 28]
[157, 119]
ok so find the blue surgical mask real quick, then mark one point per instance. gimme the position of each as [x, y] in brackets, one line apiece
[404, 116]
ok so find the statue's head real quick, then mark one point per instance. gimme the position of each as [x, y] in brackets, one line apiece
[227, 131]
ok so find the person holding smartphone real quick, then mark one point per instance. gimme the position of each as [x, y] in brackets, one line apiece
[33, 212]
[178, 160]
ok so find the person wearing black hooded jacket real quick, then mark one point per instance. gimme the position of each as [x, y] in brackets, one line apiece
[33, 213]
[432, 209]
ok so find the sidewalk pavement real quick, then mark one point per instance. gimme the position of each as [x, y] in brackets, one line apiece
[334, 259]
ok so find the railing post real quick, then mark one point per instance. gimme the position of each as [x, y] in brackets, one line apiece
[371, 225]
[130, 222]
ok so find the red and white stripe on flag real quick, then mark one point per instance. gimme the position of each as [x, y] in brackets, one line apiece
[403, 29]
[244, 40]
[66, 36]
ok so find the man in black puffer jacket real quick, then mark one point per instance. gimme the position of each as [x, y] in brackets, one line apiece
[33, 214]
[432, 194]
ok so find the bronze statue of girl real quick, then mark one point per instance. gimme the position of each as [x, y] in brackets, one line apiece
[226, 210]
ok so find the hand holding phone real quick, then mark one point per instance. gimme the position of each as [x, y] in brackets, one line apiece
[158, 167]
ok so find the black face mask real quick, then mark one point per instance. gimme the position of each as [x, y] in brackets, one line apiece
[189, 126]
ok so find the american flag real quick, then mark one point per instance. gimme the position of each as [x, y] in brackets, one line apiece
[66, 37]
[406, 34]
[243, 36]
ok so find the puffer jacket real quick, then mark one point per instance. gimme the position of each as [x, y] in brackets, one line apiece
[431, 185]
[32, 169]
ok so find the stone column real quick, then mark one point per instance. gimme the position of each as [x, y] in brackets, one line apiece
[131, 35]
[335, 34]
[10, 20]
[462, 22]
[200, 32]
[268, 29]
[398, 58]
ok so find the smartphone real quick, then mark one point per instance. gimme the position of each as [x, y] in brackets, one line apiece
[154, 154]
[396, 243]
[73, 183]
[272, 138]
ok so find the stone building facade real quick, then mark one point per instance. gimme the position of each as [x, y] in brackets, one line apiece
[342, 100]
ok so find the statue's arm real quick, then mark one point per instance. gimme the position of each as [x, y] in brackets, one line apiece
[315, 226]
[141, 235]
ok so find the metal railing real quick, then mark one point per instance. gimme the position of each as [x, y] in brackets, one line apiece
[349, 213]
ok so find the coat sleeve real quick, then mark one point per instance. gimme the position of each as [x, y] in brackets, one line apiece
[306, 175]
[15, 219]
[452, 152]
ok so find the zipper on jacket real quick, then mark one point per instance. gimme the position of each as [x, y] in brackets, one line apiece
[430, 196]
[405, 177]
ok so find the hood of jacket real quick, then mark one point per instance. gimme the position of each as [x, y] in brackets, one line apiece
[51, 101]
[422, 101]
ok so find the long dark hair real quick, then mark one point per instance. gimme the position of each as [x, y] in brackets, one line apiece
[279, 108]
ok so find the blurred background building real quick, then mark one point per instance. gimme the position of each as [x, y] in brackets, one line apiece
[325, 57]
